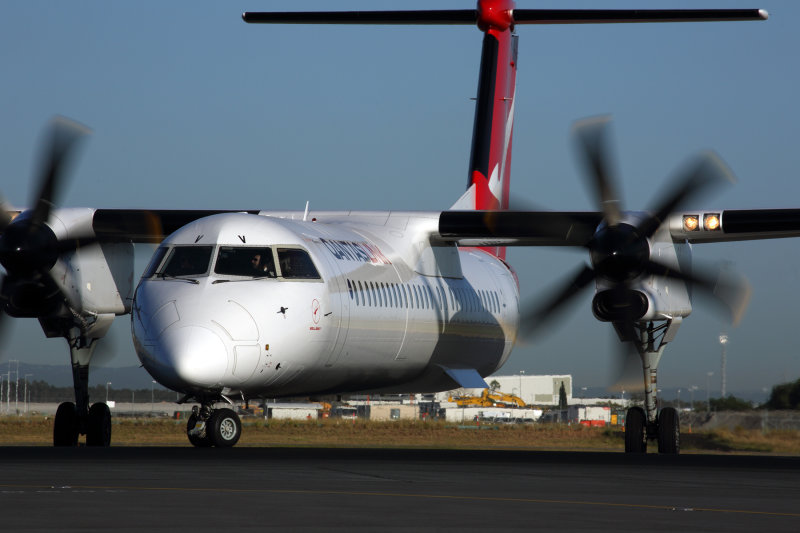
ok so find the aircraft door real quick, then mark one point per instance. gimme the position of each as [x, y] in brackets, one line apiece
[339, 304]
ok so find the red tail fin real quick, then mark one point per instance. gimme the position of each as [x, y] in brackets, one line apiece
[490, 161]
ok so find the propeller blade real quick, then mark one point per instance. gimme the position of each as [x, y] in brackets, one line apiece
[630, 377]
[72, 244]
[532, 320]
[592, 137]
[706, 171]
[5, 214]
[728, 290]
[64, 133]
[3, 319]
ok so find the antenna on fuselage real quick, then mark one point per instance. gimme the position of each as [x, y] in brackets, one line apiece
[305, 213]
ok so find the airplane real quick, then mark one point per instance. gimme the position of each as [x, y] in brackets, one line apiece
[249, 304]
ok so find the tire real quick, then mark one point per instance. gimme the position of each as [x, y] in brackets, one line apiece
[98, 430]
[65, 427]
[669, 431]
[224, 428]
[635, 426]
[197, 441]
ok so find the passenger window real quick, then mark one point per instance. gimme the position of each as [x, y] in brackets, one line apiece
[187, 261]
[361, 292]
[296, 264]
[245, 261]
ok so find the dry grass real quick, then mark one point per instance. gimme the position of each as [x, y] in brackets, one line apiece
[37, 431]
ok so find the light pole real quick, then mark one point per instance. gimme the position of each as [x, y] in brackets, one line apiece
[25, 395]
[108, 384]
[152, 387]
[708, 390]
[679, 399]
[16, 384]
[583, 392]
[521, 373]
[723, 340]
[8, 389]
[692, 388]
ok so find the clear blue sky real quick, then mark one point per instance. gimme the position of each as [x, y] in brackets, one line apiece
[192, 108]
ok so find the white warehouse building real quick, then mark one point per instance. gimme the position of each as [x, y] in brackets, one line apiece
[534, 390]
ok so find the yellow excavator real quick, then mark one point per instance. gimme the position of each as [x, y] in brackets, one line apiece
[488, 398]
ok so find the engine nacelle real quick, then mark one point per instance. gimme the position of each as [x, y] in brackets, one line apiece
[620, 305]
[96, 279]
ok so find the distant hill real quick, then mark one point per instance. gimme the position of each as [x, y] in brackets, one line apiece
[130, 377]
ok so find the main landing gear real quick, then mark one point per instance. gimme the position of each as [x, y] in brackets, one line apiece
[646, 424]
[208, 427]
[79, 418]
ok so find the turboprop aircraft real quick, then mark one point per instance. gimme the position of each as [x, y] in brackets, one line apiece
[252, 304]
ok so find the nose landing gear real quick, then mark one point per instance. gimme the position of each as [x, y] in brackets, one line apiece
[646, 424]
[208, 427]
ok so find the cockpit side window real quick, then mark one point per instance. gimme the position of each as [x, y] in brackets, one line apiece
[187, 261]
[296, 264]
[245, 261]
[155, 262]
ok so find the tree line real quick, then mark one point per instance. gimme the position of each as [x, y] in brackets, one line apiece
[43, 392]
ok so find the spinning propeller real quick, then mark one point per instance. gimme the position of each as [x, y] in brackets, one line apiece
[620, 246]
[28, 246]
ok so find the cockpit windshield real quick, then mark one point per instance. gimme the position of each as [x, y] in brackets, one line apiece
[187, 261]
[249, 262]
[296, 264]
[245, 261]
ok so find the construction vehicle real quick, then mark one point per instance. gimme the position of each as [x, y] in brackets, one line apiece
[488, 398]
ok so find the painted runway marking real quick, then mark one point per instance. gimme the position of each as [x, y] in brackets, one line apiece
[307, 492]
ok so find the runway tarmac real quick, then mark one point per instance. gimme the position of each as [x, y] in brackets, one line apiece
[302, 489]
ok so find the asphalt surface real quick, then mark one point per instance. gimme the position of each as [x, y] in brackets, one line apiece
[305, 489]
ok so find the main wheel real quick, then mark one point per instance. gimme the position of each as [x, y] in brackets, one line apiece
[98, 430]
[196, 440]
[669, 431]
[635, 426]
[65, 428]
[224, 428]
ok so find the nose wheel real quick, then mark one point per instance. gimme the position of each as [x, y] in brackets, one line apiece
[208, 427]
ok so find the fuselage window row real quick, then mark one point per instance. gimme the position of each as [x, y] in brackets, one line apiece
[476, 303]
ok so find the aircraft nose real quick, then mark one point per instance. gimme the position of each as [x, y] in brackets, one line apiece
[197, 355]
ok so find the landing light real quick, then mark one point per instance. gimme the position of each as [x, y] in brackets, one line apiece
[711, 222]
[691, 223]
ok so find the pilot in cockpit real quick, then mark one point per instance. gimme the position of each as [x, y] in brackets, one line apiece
[261, 268]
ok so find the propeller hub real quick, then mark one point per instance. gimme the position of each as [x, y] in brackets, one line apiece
[26, 249]
[619, 253]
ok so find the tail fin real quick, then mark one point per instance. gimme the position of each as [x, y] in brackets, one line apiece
[490, 161]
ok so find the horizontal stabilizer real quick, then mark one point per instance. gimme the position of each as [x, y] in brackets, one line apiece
[466, 377]
[446, 16]
[611, 16]
[517, 16]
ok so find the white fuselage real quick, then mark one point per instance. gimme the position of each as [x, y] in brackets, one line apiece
[384, 310]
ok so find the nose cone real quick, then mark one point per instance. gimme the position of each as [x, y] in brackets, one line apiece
[197, 355]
